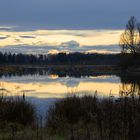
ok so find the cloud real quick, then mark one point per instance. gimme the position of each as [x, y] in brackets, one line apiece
[53, 51]
[3, 37]
[63, 38]
[56, 49]
[99, 51]
[7, 28]
[27, 36]
[4, 29]
[70, 44]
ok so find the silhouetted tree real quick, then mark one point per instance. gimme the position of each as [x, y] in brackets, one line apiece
[130, 39]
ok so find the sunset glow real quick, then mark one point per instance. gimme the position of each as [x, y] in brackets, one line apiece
[64, 40]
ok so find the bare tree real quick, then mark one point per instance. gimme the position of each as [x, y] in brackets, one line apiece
[138, 45]
[130, 39]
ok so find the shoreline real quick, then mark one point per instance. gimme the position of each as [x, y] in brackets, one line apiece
[70, 69]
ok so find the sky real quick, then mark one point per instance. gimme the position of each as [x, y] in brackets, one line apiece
[69, 25]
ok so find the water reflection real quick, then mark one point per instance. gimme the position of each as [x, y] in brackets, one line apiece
[53, 71]
[50, 86]
[130, 85]
[43, 83]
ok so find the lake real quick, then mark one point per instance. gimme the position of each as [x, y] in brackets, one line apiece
[43, 88]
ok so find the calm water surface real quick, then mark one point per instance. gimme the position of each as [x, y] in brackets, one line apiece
[43, 89]
[52, 86]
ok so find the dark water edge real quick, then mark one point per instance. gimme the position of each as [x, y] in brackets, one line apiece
[70, 70]
[60, 70]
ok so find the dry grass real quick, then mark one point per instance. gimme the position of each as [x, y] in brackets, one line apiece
[90, 118]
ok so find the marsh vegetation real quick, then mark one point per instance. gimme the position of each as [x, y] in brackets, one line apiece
[72, 118]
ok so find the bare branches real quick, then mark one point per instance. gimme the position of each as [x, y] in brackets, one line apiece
[130, 39]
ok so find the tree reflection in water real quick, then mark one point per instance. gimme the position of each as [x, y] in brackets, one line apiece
[130, 86]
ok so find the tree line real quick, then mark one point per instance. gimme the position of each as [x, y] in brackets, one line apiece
[60, 58]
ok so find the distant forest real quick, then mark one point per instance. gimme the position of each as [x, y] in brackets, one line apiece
[60, 59]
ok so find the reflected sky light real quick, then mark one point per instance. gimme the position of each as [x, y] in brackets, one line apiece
[39, 87]
[48, 91]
